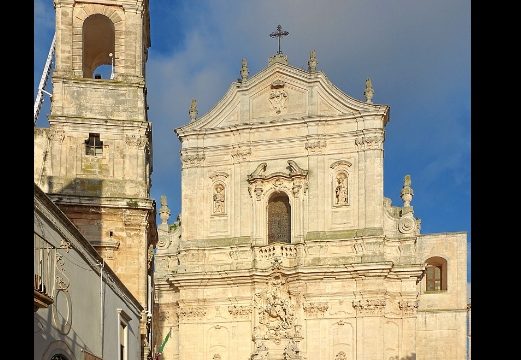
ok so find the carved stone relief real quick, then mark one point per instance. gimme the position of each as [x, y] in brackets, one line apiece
[315, 146]
[369, 306]
[374, 142]
[278, 97]
[191, 312]
[275, 309]
[291, 351]
[163, 241]
[240, 311]
[408, 307]
[314, 309]
[406, 225]
[240, 153]
[192, 159]
[261, 352]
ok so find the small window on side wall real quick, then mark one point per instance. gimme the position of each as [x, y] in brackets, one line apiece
[124, 320]
[93, 145]
[435, 274]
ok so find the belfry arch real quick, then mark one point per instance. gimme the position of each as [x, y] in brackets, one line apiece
[98, 43]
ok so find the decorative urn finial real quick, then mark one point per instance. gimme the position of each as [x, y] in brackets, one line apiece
[369, 91]
[193, 110]
[406, 194]
[312, 62]
[244, 70]
[164, 211]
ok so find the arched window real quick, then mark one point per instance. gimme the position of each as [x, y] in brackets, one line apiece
[59, 357]
[279, 218]
[435, 274]
[98, 44]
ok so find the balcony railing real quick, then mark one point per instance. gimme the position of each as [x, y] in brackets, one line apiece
[44, 272]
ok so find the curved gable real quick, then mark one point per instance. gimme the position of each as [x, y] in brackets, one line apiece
[280, 92]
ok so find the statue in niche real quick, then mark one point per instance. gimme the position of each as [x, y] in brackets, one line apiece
[218, 199]
[341, 189]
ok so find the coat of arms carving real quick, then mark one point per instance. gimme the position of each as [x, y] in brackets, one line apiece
[278, 97]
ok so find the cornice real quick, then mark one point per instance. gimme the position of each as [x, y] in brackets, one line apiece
[112, 202]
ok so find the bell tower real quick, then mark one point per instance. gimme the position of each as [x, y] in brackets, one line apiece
[95, 159]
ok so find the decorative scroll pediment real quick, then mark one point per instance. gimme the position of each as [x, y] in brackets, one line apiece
[294, 181]
[295, 171]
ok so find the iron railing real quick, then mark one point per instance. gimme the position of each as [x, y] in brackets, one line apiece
[44, 271]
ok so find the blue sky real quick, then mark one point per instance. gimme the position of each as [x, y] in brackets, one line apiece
[417, 54]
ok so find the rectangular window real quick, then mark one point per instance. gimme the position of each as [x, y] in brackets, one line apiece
[93, 145]
[122, 341]
[123, 320]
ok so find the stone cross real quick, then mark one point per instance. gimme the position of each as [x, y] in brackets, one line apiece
[279, 33]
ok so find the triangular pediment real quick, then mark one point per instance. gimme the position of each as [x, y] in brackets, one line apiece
[280, 92]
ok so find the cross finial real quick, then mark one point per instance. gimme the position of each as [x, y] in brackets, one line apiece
[279, 33]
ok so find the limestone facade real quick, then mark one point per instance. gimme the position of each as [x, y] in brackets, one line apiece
[95, 159]
[286, 247]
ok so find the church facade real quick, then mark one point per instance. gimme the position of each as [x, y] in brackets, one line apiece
[286, 247]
